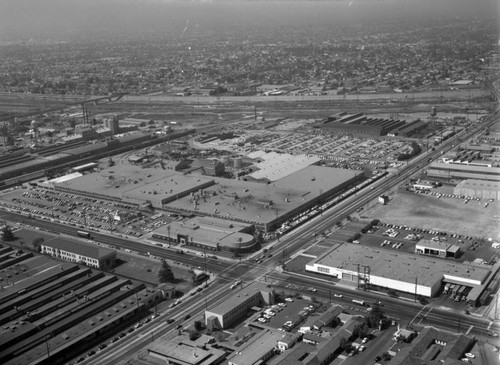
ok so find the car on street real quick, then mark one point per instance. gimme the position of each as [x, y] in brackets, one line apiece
[170, 320]
[102, 347]
[312, 289]
[91, 353]
[338, 295]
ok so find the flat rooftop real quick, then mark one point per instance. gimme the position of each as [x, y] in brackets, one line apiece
[239, 296]
[263, 203]
[274, 166]
[398, 265]
[79, 248]
[259, 345]
[438, 245]
[127, 181]
[211, 231]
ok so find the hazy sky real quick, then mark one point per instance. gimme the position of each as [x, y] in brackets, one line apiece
[21, 19]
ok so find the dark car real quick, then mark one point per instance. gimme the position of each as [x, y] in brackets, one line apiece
[115, 339]
[80, 359]
[91, 353]
[103, 346]
[121, 335]
[178, 327]
[170, 320]
[187, 316]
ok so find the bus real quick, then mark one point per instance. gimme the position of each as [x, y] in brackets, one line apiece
[358, 301]
[199, 276]
[84, 234]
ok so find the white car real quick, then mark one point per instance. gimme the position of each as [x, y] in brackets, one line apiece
[469, 355]
[312, 289]
[289, 299]
[338, 295]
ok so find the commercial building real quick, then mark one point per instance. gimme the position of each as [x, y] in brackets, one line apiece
[74, 251]
[208, 167]
[209, 233]
[400, 271]
[260, 348]
[448, 171]
[237, 307]
[266, 205]
[478, 189]
[437, 248]
[185, 353]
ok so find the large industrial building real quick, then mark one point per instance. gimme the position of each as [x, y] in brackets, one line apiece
[401, 271]
[452, 170]
[52, 310]
[264, 205]
[363, 126]
[478, 189]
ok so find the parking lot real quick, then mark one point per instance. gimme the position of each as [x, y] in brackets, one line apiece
[82, 211]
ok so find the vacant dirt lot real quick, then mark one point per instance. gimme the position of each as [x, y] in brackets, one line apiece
[444, 214]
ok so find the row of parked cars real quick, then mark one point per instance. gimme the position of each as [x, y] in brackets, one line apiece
[118, 337]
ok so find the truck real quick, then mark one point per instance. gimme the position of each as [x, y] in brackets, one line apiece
[359, 301]
[446, 288]
[83, 234]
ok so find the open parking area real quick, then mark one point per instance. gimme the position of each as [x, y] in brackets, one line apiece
[82, 211]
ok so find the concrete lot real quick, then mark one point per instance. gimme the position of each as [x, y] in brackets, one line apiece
[442, 214]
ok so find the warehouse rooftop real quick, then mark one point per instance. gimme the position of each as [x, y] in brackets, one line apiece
[399, 265]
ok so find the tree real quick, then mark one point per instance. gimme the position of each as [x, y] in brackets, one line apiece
[198, 325]
[37, 243]
[7, 234]
[344, 343]
[165, 275]
[373, 320]
[360, 330]
[193, 335]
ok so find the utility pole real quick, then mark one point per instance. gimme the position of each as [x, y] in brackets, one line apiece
[416, 281]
